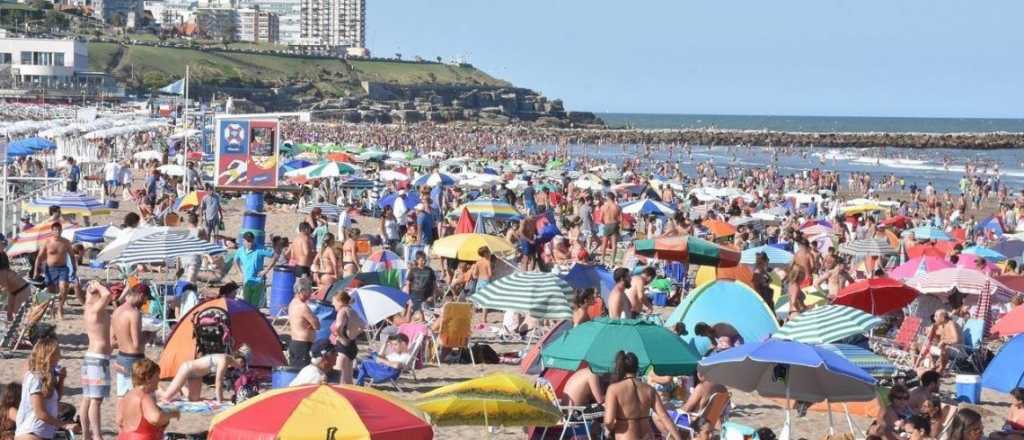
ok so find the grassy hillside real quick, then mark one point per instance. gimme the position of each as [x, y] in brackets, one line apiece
[148, 64]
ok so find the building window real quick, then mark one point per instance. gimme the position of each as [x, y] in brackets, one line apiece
[58, 59]
[5, 58]
[26, 58]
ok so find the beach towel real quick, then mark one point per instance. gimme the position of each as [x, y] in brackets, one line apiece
[198, 407]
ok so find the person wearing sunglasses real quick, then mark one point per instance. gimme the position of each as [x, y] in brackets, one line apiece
[890, 421]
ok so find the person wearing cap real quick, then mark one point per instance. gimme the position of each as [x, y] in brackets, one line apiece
[249, 261]
[322, 358]
[302, 324]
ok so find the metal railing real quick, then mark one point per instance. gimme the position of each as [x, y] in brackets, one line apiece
[12, 211]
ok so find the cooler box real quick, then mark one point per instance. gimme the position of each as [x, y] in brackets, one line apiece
[968, 388]
[281, 377]
[659, 298]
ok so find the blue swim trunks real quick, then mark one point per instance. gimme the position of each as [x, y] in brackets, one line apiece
[55, 274]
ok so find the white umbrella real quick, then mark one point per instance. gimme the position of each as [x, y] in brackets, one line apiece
[148, 155]
[173, 170]
[126, 236]
[391, 175]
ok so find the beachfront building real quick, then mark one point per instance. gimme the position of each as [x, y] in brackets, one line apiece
[50, 68]
[289, 17]
[170, 13]
[124, 13]
[333, 24]
[258, 26]
[217, 23]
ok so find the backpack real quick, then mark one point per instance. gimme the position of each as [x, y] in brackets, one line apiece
[211, 329]
[482, 354]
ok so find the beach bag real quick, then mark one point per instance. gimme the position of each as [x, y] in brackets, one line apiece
[246, 387]
[211, 329]
[484, 354]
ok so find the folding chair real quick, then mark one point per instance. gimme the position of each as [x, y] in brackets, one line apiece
[408, 366]
[900, 348]
[456, 329]
[573, 416]
[712, 413]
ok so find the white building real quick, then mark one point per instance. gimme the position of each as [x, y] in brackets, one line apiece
[289, 16]
[257, 26]
[170, 13]
[333, 23]
[119, 12]
[49, 66]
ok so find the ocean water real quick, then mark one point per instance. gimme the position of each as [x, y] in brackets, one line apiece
[814, 123]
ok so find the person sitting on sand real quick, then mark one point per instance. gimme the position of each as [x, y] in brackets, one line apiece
[16, 288]
[942, 340]
[138, 416]
[892, 416]
[189, 378]
[42, 388]
[1013, 429]
[322, 360]
[939, 416]
[928, 387]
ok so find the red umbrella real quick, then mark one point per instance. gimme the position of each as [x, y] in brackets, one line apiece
[936, 249]
[465, 225]
[1010, 324]
[898, 221]
[877, 296]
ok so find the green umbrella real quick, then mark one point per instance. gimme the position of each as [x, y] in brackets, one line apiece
[542, 295]
[599, 340]
[825, 324]
[555, 164]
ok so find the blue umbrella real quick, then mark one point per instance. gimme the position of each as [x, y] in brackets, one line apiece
[411, 199]
[986, 253]
[776, 368]
[376, 303]
[647, 207]
[296, 164]
[18, 151]
[776, 257]
[590, 276]
[1006, 371]
[928, 233]
[33, 143]
[434, 179]
[93, 234]
[1010, 248]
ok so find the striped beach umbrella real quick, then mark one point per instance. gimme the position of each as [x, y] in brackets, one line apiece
[324, 169]
[688, 249]
[32, 239]
[329, 210]
[867, 247]
[376, 303]
[825, 324]
[986, 253]
[321, 411]
[918, 266]
[162, 246]
[383, 260]
[966, 281]
[927, 233]
[776, 257]
[874, 364]
[491, 208]
[648, 207]
[434, 179]
[816, 230]
[69, 203]
[542, 295]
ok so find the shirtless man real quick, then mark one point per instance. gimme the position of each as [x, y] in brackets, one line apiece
[302, 325]
[838, 277]
[56, 271]
[482, 272]
[618, 303]
[349, 259]
[584, 388]
[96, 362]
[611, 217]
[126, 325]
[300, 253]
[637, 291]
[943, 338]
[805, 259]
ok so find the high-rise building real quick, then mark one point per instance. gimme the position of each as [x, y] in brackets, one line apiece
[333, 23]
[258, 26]
[288, 14]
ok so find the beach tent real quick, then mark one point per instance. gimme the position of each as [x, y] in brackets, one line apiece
[1006, 372]
[248, 326]
[174, 88]
[726, 303]
[531, 362]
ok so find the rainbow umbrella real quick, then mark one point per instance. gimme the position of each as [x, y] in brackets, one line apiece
[688, 249]
[497, 399]
[31, 239]
[191, 200]
[490, 208]
[383, 260]
[319, 412]
[69, 203]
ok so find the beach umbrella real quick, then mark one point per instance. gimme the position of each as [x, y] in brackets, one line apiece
[162, 246]
[31, 240]
[323, 169]
[919, 265]
[927, 233]
[970, 261]
[315, 412]
[190, 200]
[1010, 248]
[597, 342]
[826, 324]
[967, 281]
[391, 175]
[383, 260]
[688, 249]
[590, 276]
[434, 179]
[69, 203]
[1010, 324]
[422, 162]
[935, 249]
[491, 208]
[358, 184]
[861, 208]
[465, 224]
[876, 296]
[349, 282]
[812, 298]
[33, 143]
[375, 303]
[776, 257]
[127, 235]
[1006, 371]
[409, 200]
[986, 253]
[898, 221]
[778, 368]
[542, 295]
[867, 247]
[87, 234]
[816, 231]
[465, 247]
[148, 155]
[338, 156]
[873, 364]
[371, 155]
[329, 210]
[719, 228]
[295, 164]
[647, 207]
[496, 399]
[172, 170]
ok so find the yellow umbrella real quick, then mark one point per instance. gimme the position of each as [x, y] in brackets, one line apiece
[466, 247]
[861, 208]
[497, 399]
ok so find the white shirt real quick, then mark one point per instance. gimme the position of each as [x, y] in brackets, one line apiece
[344, 222]
[308, 375]
[27, 422]
[111, 171]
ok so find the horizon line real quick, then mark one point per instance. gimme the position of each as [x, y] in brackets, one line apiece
[784, 115]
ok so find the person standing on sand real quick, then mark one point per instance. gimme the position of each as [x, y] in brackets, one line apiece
[96, 362]
[618, 301]
[250, 263]
[346, 328]
[482, 272]
[212, 211]
[611, 217]
[302, 324]
[126, 328]
[56, 270]
[301, 252]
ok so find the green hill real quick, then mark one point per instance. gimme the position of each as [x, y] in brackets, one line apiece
[150, 67]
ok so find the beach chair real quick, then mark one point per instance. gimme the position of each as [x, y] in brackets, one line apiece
[901, 348]
[392, 375]
[455, 329]
[713, 413]
[413, 331]
[573, 416]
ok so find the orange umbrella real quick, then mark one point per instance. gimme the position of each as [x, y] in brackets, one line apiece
[719, 228]
[936, 249]
[340, 157]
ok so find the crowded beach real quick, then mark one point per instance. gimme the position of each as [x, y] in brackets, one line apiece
[419, 282]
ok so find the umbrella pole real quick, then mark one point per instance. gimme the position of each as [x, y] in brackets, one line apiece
[831, 423]
[849, 420]
[785, 435]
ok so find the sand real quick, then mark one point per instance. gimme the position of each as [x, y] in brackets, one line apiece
[750, 410]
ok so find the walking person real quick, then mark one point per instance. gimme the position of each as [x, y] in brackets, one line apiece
[96, 379]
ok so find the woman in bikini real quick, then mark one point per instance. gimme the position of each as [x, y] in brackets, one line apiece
[630, 404]
[14, 285]
[191, 373]
[349, 260]
[325, 264]
[346, 328]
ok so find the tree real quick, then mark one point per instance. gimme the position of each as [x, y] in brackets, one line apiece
[398, 56]
[439, 60]
[154, 80]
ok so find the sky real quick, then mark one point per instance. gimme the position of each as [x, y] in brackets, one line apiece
[923, 58]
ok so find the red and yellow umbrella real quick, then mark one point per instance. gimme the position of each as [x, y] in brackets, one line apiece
[688, 249]
[192, 199]
[318, 412]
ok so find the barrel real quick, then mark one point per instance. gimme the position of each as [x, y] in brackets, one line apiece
[325, 313]
[282, 289]
[254, 201]
[254, 220]
[281, 377]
